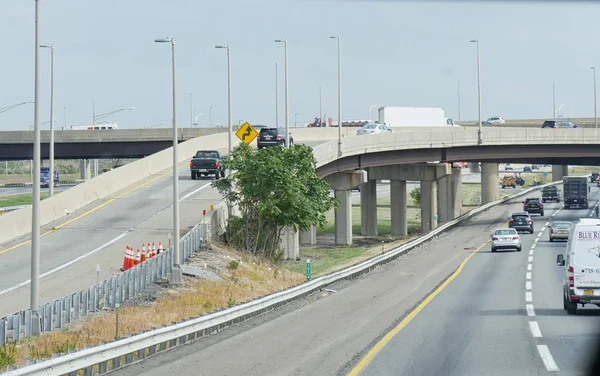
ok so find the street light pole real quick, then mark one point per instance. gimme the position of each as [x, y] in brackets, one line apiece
[35, 217]
[595, 102]
[320, 106]
[276, 97]
[210, 115]
[51, 151]
[176, 275]
[339, 94]
[229, 113]
[458, 94]
[287, 102]
[94, 110]
[554, 98]
[479, 131]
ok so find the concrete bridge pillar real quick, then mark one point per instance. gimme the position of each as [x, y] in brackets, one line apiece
[290, 243]
[398, 207]
[559, 172]
[450, 196]
[490, 189]
[85, 171]
[342, 184]
[429, 212]
[310, 236]
[368, 208]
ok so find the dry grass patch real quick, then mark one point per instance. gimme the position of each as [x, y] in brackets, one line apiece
[244, 278]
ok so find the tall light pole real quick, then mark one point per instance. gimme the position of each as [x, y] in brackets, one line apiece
[479, 139]
[554, 98]
[595, 102]
[107, 114]
[12, 106]
[191, 112]
[229, 113]
[51, 151]
[176, 275]
[458, 95]
[339, 51]
[320, 106]
[35, 212]
[287, 102]
[210, 115]
[276, 97]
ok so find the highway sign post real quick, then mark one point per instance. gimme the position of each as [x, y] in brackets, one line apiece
[246, 133]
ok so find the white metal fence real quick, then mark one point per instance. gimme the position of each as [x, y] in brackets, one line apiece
[103, 295]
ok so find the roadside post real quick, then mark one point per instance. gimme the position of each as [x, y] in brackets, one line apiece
[308, 269]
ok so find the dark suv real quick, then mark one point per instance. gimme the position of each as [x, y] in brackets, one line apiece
[533, 205]
[272, 137]
[521, 221]
[558, 124]
[550, 193]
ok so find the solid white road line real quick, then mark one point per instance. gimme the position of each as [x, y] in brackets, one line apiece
[529, 267]
[530, 310]
[112, 241]
[535, 329]
[528, 285]
[528, 296]
[528, 275]
[547, 358]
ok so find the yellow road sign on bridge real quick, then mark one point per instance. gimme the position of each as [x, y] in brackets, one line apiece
[246, 133]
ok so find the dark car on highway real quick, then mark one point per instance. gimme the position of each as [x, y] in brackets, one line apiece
[206, 162]
[272, 137]
[533, 205]
[558, 124]
[521, 221]
[594, 177]
[550, 193]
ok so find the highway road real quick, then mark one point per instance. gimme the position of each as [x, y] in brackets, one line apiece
[72, 248]
[403, 319]
[28, 190]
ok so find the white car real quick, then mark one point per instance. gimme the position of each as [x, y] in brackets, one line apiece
[495, 120]
[373, 128]
[581, 264]
[506, 238]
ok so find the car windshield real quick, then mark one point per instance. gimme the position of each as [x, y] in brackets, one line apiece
[520, 216]
[207, 154]
[531, 200]
[506, 231]
[370, 126]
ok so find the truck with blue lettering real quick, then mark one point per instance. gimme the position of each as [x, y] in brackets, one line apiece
[575, 192]
[581, 263]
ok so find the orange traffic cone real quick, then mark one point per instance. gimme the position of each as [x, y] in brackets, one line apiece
[137, 258]
[126, 259]
[144, 255]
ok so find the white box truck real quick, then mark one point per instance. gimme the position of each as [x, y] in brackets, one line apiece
[414, 117]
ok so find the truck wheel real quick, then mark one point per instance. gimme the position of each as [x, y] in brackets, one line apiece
[222, 173]
[565, 303]
[571, 308]
[541, 214]
[193, 176]
[217, 175]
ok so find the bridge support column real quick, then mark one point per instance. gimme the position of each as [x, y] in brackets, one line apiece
[398, 207]
[342, 183]
[429, 213]
[290, 243]
[559, 172]
[85, 170]
[343, 218]
[490, 190]
[450, 196]
[457, 192]
[368, 208]
[310, 236]
[473, 166]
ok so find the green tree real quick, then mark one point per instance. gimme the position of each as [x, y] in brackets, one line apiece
[415, 194]
[272, 188]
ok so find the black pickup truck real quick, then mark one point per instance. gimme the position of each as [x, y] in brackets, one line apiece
[206, 162]
[550, 193]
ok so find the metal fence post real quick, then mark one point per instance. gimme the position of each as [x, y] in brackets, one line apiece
[16, 327]
[28, 323]
[113, 292]
[84, 302]
[126, 281]
[48, 317]
[68, 299]
[2, 331]
[58, 313]
[76, 305]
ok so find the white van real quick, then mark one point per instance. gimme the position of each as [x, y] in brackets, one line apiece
[582, 266]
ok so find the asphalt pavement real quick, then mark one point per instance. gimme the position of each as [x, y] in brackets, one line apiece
[476, 324]
[28, 190]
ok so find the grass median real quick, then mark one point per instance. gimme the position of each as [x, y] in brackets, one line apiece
[18, 200]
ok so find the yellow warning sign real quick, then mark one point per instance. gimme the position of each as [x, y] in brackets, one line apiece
[246, 133]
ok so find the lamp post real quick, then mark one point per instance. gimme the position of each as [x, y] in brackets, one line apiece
[210, 115]
[339, 51]
[229, 113]
[287, 102]
[458, 95]
[12, 106]
[479, 131]
[107, 114]
[595, 102]
[276, 97]
[35, 211]
[51, 151]
[321, 106]
[176, 275]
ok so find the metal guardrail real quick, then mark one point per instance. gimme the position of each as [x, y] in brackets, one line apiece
[114, 355]
[103, 295]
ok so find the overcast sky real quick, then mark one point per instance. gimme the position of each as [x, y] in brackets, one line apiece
[394, 53]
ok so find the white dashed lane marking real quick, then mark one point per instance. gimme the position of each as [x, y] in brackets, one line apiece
[530, 259]
[535, 329]
[528, 285]
[528, 275]
[530, 310]
[528, 296]
[547, 358]
[529, 267]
